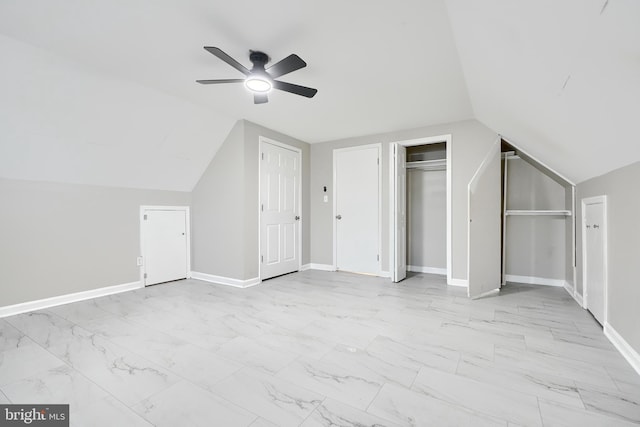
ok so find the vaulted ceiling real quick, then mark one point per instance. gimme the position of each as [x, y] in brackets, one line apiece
[104, 92]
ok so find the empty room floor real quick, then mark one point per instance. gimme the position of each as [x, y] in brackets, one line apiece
[320, 349]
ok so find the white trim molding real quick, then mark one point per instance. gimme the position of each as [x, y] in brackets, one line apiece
[530, 280]
[446, 138]
[428, 270]
[228, 281]
[576, 296]
[322, 267]
[458, 282]
[623, 347]
[41, 304]
[305, 267]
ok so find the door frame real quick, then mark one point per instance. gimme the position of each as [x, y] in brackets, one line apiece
[143, 233]
[410, 143]
[264, 140]
[605, 262]
[336, 151]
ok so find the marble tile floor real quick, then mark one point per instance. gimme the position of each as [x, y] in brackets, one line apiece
[320, 349]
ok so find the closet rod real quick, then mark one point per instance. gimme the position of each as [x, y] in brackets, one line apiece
[437, 164]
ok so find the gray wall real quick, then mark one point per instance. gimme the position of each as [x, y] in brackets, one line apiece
[470, 142]
[535, 245]
[621, 188]
[217, 212]
[427, 218]
[225, 205]
[57, 239]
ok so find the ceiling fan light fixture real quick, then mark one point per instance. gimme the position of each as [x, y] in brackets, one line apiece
[260, 84]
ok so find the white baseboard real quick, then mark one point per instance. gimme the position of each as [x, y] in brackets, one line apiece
[40, 304]
[623, 347]
[385, 274]
[458, 282]
[323, 267]
[534, 280]
[428, 270]
[237, 283]
[305, 267]
[576, 296]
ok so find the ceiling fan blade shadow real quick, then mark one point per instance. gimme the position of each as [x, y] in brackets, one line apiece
[260, 98]
[289, 64]
[226, 58]
[298, 90]
[212, 82]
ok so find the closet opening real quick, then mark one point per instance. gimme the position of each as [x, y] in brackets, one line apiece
[420, 233]
[427, 208]
[538, 222]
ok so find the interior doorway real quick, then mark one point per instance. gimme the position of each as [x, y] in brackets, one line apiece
[280, 207]
[357, 188]
[419, 194]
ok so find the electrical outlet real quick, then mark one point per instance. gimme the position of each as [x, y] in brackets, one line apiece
[139, 261]
[326, 199]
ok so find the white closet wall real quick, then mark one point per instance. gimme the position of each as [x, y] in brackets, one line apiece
[427, 219]
[536, 245]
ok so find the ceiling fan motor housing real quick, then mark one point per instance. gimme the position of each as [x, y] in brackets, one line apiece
[258, 59]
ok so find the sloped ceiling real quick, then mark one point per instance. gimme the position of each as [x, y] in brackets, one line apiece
[559, 79]
[103, 92]
[378, 65]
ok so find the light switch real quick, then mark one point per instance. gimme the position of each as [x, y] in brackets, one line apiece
[139, 261]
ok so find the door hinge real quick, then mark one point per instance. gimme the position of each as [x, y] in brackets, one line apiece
[145, 217]
[261, 258]
[262, 156]
[378, 257]
[145, 275]
[262, 207]
[378, 161]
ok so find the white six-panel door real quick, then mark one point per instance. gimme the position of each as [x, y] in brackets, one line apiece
[165, 244]
[357, 209]
[279, 209]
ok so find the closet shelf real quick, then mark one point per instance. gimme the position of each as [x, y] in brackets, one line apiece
[427, 164]
[515, 212]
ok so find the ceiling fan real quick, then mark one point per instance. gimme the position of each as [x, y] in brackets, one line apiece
[259, 80]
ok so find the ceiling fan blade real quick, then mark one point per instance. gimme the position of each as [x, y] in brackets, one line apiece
[226, 58]
[260, 98]
[298, 90]
[291, 63]
[212, 82]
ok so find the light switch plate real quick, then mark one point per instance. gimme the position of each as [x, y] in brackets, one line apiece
[139, 261]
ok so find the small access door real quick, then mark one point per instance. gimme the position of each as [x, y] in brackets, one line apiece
[484, 252]
[594, 240]
[165, 247]
[279, 209]
[399, 207]
[357, 209]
